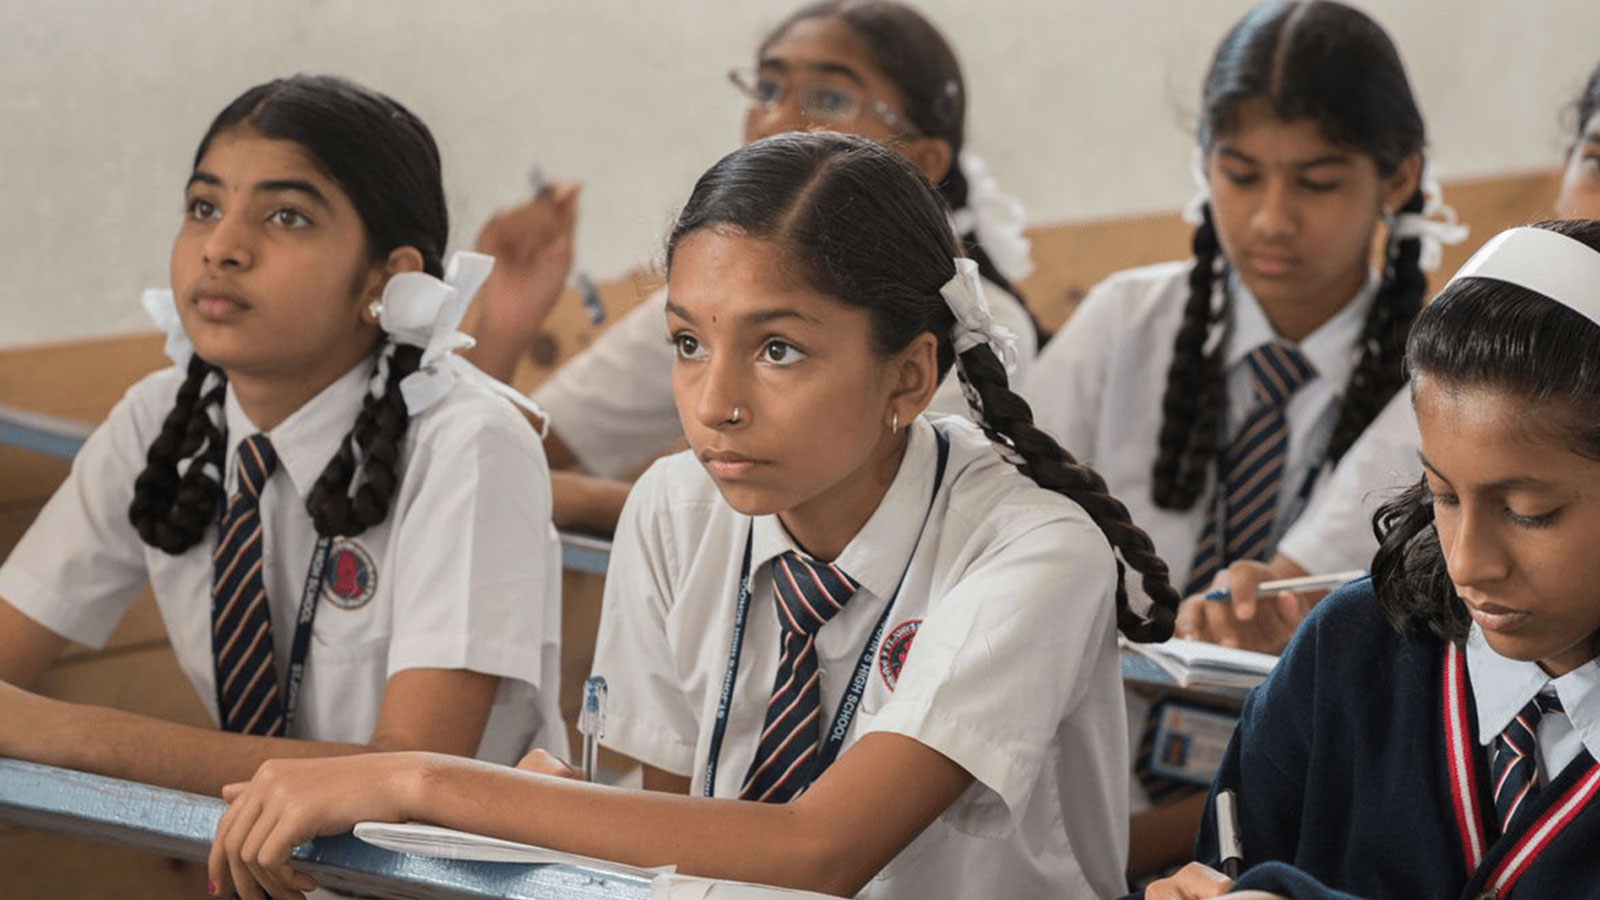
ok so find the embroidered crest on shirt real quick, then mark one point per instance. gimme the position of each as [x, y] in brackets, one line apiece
[350, 578]
[896, 646]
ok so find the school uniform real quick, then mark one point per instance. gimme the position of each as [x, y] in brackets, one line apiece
[612, 404]
[999, 651]
[1098, 388]
[464, 573]
[1335, 533]
[1348, 759]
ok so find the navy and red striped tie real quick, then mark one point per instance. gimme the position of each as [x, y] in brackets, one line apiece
[241, 624]
[1250, 470]
[1514, 767]
[808, 594]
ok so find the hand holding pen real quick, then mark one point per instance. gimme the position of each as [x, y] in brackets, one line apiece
[533, 247]
[1255, 605]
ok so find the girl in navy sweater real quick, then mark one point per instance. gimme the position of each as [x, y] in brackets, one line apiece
[1432, 732]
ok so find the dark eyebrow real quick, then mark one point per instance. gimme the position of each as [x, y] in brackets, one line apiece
[295, 186]
[274, 186]
[820, 68]
[1335, 159]
[1515, 483]
[758, 317]
[679, 311]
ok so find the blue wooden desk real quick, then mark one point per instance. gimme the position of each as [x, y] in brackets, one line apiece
[180, 824]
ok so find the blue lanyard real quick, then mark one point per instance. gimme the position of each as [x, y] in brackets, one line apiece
[316, 574]
[833, 741]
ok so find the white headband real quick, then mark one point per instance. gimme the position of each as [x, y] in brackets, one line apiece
[1563, 269]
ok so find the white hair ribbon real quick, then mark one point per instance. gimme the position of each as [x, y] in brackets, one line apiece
[162, 309]
[1194, 210]
[424, 311]
[1434, 227]
[1553, 265]
[963, 293]
[996, 219]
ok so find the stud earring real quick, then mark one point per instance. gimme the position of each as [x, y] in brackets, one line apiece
[375, 311]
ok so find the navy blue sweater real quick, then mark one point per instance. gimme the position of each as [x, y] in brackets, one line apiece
[1339, 764]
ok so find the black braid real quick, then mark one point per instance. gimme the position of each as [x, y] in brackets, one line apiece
[1381, 372]
[338, 511]
[1008, 421]
[1193, 407]
[171, 512]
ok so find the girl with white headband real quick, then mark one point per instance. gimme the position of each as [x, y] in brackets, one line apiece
[858, 649]
[347, 530]
[876, 68]
[1432, 731]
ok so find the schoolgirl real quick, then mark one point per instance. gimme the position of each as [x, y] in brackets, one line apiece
[825, 576]
[1455, 695]
[1335, 534]
[876, 68]
[1215, 393]
[347, 531]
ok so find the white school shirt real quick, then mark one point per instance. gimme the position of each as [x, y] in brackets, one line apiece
[1098, 388]
[1501, 687]
[1335, 534]
[464, 573]
[1012, 670]
[612, 404]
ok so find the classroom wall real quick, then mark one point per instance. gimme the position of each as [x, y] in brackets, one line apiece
[1080, 107]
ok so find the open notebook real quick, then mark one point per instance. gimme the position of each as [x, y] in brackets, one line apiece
[1202, 664]
[447, 843]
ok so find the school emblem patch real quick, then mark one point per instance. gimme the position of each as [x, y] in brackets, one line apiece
[896, 646]
[349, 577]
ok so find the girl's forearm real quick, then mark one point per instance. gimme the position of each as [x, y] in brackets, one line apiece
[760, 842]
[139, 748]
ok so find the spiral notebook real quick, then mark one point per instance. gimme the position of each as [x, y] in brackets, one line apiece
[1203, 664]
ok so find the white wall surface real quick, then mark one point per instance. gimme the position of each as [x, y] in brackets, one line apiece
[1080, 107]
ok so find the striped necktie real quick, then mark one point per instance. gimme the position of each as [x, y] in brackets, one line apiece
[1250, 470]
[808, 594]
[241, 624]
[1514, 769]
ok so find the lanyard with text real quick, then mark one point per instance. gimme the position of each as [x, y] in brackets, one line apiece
[316, 573]
[846, 713]
[1464, 792]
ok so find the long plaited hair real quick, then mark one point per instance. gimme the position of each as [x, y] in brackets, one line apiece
[1331, 64]
[857, 223]
[1485, 334]
[386, 162]
[908, 50]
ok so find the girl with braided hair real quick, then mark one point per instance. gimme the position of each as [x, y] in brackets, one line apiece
[347, 532]
[1217, 393]
[858, 649]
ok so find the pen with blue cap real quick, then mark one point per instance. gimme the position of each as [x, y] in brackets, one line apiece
[1302, 585]
[592, 722]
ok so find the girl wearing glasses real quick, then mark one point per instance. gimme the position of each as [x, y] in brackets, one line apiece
[877, 69]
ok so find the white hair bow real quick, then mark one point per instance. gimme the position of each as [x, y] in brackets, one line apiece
[423, 311]
[1434, 227]
[963, 293]
[162, 308]
[997, 219]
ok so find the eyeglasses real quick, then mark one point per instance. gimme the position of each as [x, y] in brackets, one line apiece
[828, 104]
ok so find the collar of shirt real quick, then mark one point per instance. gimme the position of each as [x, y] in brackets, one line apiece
[1332, 349]
[876, 556]
[1501, 687]
[309, 437]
